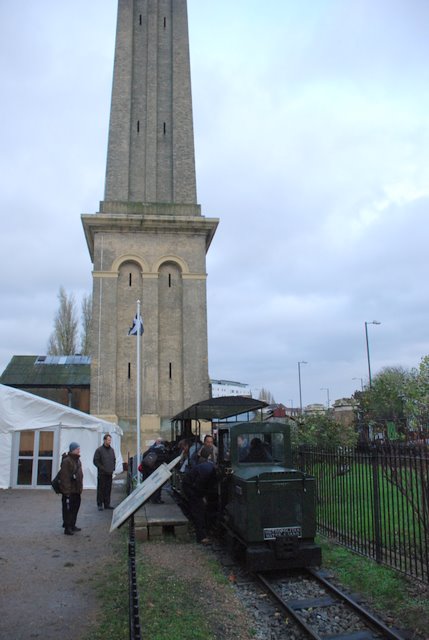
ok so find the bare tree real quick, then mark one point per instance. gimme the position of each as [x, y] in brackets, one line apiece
[62, 341]
[86, 320]
[266, 396]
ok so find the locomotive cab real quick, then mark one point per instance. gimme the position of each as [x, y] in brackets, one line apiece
[268, 507]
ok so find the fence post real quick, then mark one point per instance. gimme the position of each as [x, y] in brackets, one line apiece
[376, 504]
[134, 617]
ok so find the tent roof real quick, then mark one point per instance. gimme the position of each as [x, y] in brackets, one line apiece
[20, 410]
[220, 408]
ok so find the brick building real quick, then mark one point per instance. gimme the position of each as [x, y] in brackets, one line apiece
[149, 240]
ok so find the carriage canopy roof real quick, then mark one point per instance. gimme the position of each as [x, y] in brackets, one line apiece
[220, 408]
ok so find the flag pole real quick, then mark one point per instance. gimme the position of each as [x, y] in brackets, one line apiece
[138, 390]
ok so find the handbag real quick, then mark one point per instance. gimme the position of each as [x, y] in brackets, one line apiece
[56, 483]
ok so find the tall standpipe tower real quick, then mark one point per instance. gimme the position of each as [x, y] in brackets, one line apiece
[149, 240]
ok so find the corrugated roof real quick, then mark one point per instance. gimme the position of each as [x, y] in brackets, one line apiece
[34, 371]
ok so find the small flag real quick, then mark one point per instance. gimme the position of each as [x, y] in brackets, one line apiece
[137, 328]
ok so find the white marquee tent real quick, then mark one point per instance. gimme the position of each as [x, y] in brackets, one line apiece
[34, 432]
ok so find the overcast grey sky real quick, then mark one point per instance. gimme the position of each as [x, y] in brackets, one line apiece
[312, 144]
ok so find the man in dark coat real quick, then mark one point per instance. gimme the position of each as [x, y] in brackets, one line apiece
[199, 485]
[105, 461]
[151, 460]
[71, 479]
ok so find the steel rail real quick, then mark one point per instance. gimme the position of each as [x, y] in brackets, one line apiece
[367, 615]
[374, 623]
[288, 609]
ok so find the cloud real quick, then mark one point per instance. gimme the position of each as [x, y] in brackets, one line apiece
[311, 133]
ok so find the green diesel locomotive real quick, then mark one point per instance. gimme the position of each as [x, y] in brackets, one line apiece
[268, 508]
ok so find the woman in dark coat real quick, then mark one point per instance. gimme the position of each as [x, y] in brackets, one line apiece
[71, 479]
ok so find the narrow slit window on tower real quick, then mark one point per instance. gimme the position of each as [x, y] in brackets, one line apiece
[129, 370]
[169, 279]
[165, 128]
[140, 19]
[170, 370]
[138, 126]
[130, 279]
[165, 23]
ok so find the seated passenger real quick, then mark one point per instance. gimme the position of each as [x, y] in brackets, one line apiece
[257, 452]
[243, 447]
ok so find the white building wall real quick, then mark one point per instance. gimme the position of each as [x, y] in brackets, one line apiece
[222, 388]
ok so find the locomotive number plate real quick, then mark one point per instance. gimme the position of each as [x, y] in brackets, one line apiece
[282, 532]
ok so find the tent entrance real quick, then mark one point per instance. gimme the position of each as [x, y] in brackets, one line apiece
[35, 458]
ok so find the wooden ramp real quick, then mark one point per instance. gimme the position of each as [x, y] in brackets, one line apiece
[156, 521]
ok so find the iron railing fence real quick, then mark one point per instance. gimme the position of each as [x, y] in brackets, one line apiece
[134, 627]
[375, 500]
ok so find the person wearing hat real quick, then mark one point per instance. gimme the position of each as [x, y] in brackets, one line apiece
[71, 478]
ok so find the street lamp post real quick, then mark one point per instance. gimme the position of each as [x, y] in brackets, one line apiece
[367, 349]
[327, 393]
[299, 380]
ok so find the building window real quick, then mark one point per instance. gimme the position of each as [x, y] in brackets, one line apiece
[138, 126]
[170, 374]
[129, 370]
[169, 279]
[165, 128]
[140, 19]
[130, 280]
[165, 23]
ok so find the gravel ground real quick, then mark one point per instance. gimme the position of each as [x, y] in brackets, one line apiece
[48, 579]
[47, 585]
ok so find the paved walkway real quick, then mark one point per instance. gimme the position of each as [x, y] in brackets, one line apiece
[47, 579]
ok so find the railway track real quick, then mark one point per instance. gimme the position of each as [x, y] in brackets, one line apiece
[323, 611]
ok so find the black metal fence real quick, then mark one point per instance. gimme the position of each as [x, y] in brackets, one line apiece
[375, 501]
[133, 595]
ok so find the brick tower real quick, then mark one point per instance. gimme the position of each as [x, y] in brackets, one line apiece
[149, 240]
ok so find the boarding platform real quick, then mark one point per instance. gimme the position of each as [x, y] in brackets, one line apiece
[157, 521]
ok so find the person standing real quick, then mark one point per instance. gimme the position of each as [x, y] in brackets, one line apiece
[151, 460]
[105, 461]
[199, 487]
[71, 478]
[209, 442]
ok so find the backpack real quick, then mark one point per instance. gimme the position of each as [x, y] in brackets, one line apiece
[56, 483]
[150, 459]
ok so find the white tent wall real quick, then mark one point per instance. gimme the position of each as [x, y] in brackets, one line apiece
[22, 411]
[86, 438]
[5, 459]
